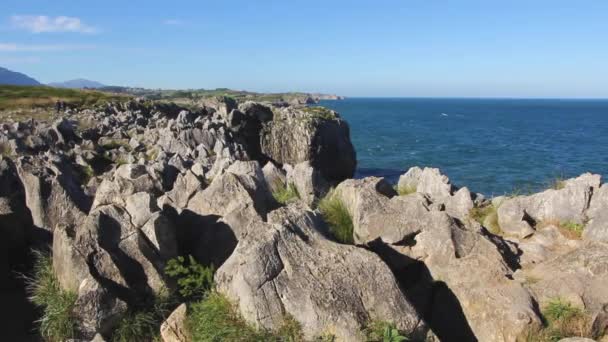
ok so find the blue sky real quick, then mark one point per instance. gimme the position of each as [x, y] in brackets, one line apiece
[472, 48]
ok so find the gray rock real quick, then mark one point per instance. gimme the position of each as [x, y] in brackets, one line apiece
[596, 228]
[141, 206]
[428, 181]
[185, 186]
[309, 182]
[174, 329]
[287, 267]
[295, 136]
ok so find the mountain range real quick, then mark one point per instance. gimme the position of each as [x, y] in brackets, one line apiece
[16, 78]
[77, 83]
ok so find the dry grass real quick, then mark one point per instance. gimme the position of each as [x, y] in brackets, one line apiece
[487, 216]
[570, 230]
[26, 97]
[405, 190]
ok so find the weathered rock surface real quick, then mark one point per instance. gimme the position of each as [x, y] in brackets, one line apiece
[288, 267]
[296, 135]
[174, 328]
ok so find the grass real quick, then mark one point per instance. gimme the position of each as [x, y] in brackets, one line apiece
[285, 193]
[215, 318]
[58, 322]
[144, 325]
[569, 229]
[564, 320]
[487, 216]
[27, 97]
[320, 112]
[558, 183]
[382, 331]
[405, 190]
[337, 217]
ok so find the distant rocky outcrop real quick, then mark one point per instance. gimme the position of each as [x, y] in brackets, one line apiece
[124, 188]
[8, 77]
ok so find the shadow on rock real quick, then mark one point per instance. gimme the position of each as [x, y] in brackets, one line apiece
[433, 300]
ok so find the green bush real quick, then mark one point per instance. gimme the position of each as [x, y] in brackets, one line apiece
[144, 325]
[192, 278]
[337, 218]
[58, 322]
[381, 331]
[285, 193]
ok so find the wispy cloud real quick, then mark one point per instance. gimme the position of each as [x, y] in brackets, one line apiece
[173, 22]
[12, 47]
[20, 60]
[43, 23]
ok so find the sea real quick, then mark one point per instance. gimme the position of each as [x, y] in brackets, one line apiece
[491, 146]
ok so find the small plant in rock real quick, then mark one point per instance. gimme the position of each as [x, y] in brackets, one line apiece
[58, 322]
[193, 279]
[573, 229]
[487, 216]
[337, 217]
[381, 331]
[405, 190]
[558, 183]
[290, 330]
[144, 324]
[285, 193]
[565, 320]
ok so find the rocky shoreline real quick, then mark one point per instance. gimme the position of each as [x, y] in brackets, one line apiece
[264, 196]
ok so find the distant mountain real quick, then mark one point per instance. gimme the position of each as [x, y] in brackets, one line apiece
[77, 84]
[16, 78]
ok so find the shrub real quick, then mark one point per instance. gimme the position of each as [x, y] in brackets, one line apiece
[381, 331]
[193, 279]
[285, 193]
[405, 190]
[57, 323]
[144, 325]
[337, 217]
[486, 216]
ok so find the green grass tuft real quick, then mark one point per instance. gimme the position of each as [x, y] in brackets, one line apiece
[575, 230]
[285, 193]
[405, 190]
[487, 216]
[337, 217]
[144, 325]
[565, 320]
[58, 322]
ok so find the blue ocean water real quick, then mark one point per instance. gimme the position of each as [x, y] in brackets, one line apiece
[492, 146]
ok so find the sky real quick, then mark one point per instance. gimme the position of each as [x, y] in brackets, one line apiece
[409, 48]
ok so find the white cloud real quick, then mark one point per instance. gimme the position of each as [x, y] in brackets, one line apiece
[20, 60]
[173, 22]
[12, 47]
[43, 23]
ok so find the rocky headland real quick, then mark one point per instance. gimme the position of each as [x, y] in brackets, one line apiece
[242, 221]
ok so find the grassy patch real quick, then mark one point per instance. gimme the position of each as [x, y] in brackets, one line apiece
[193, 279]
[320, 112]
[58, 322]
[24, 97]
[564, 320]
[144, 325]
[570, 230]
[285, 193]
[487, 216]
[381, 331]
[405, 190]
[558, 183]
[337, 218]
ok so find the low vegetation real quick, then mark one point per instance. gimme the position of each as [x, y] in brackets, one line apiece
[58, 322]
[487, 216]
[144, 324]
[193, 279]
[569, 229]
[558, 183]
[381, 331]
[564, 320]
[337, 217]
[27, 97]
[405, 190]
[285, 193]
[320, 113]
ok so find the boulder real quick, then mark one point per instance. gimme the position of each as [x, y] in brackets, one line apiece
[596, 228]
[518, 216]
[309, 182]
[186, 185]
[298, 135]
[288, 268]
[174, 328]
